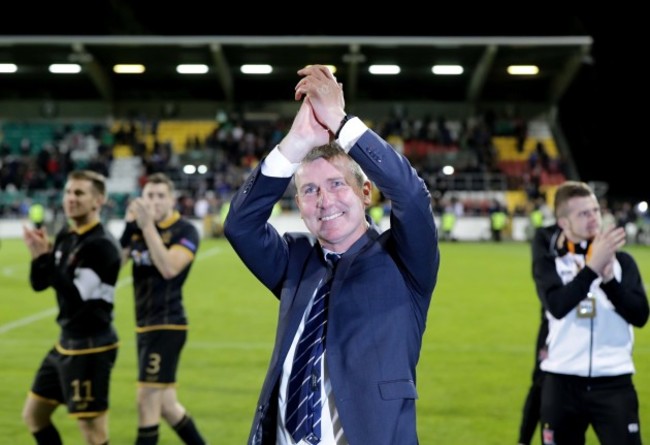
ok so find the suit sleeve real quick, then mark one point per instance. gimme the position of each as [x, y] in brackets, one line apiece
[261, 248]
[411, 218]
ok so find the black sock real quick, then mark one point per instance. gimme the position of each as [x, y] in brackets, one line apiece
[147, 435]
[48, 436]
[186, 430]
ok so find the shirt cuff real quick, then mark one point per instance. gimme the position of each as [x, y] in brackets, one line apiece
[350, 133]
[276, 165]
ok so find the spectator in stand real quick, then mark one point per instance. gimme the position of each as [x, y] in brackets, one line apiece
[498, 220]
[539, 157]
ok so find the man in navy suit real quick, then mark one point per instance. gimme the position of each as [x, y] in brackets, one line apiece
[382, 285]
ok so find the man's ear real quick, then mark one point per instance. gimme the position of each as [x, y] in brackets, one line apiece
[562, 223]
[366, 190]
[101, 200]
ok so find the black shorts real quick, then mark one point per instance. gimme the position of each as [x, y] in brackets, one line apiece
[570, 404]
[159, 352]
[80, 381]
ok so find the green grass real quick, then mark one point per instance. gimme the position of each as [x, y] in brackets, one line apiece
[472, 378]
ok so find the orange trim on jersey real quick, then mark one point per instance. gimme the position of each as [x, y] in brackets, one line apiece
[571, 247]
[85, 228]
[165, 223]
[180, 246]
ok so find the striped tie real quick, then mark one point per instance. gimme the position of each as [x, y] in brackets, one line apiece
[304, 393]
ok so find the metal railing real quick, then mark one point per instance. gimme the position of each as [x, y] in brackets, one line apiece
[467, 181]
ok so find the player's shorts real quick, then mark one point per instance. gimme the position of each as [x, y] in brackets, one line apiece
[159, 352]
[79, 380]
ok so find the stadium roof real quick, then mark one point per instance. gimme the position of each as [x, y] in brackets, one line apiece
[582, 75]
[484, 60]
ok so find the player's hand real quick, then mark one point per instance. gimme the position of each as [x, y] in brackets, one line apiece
[37, 241]
[142, 211]
[305, 133]
[603, 250]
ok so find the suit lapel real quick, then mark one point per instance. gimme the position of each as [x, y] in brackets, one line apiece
[313, 272]
[361, 246]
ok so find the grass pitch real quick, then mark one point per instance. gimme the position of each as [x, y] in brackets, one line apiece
[473, 375]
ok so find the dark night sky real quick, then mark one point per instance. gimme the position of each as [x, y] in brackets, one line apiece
[596, 112]
[603, 114]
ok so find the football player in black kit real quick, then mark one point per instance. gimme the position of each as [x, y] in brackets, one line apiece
[82, 267]
[162, 246]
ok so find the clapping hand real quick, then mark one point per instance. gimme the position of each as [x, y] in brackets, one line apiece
[325, 95]
[603, 251]
[37, 241]
[141, 212]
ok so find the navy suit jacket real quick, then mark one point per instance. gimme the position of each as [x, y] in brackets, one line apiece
[379, 298]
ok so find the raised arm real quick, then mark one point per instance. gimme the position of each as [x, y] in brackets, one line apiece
[169, 261]
[412, 222]
[42, 266]
[306, 132]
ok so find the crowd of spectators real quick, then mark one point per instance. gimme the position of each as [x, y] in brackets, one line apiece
[30, 173]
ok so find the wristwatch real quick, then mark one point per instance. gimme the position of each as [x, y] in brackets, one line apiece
[346, 118]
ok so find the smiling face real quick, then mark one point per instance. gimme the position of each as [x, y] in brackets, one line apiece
[332, 201]
[81, 202]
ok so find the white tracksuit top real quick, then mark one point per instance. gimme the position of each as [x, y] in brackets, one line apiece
[589, 347]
